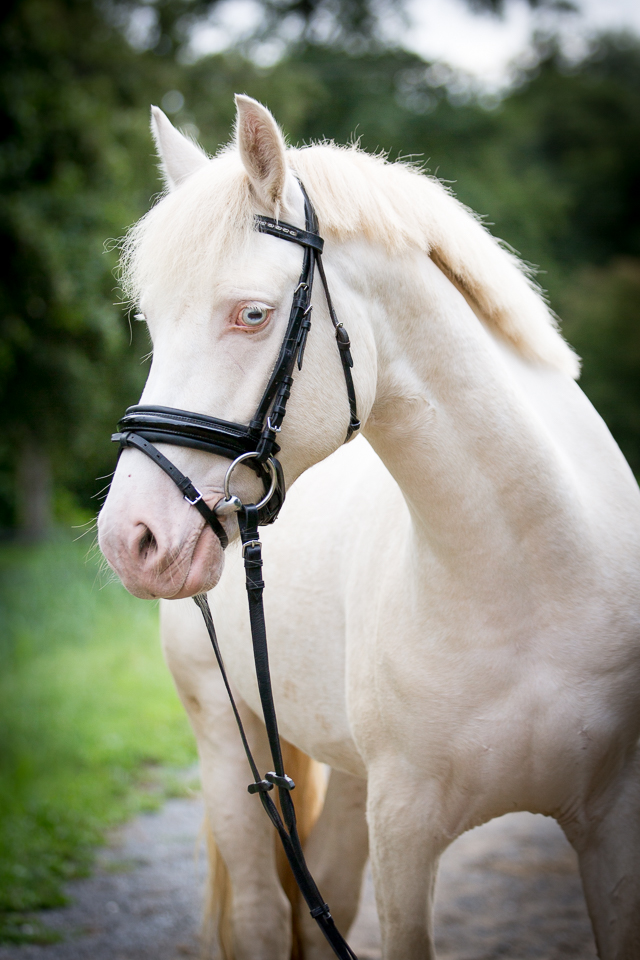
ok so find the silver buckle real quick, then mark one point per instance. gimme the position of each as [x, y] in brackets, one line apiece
[197, 499]
[249, 543]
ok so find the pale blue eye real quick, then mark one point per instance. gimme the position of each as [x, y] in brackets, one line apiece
[254, 315]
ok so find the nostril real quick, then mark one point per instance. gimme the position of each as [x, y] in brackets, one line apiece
[147, 544]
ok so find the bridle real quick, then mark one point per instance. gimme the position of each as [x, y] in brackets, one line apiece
[256, 446]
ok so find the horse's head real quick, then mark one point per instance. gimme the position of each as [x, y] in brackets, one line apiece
[216, 296]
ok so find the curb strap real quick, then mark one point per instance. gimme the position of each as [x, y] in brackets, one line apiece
[285, 824]
[187, 488]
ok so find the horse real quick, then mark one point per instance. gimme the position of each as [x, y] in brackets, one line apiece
[452, 597]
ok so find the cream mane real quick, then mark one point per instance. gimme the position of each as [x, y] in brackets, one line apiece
[187, 236]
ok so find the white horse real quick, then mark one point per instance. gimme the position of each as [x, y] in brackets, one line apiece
[453, 603]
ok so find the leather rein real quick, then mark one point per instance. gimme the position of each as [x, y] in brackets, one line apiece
[256, 445]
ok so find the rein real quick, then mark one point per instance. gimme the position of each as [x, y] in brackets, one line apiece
[256, 446]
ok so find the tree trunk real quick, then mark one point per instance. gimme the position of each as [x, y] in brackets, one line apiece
[34, 492]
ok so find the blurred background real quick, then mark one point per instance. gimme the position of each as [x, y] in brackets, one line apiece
[531, 111]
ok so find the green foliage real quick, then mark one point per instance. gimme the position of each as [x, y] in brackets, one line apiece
[89, 720]
[586, 129]
[602, 305]
[18, 928]
[343, 24]
[69, 88]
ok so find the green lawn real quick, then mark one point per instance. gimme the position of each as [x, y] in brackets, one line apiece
[90, 724]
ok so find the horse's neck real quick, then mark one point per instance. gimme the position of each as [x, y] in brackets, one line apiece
[472, 458]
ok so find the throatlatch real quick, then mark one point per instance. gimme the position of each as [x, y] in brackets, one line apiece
[256, 445]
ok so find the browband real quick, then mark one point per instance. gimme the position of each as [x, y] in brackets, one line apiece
[277, 228]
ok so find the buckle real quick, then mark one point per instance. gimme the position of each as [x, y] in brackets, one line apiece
[249, 543]
[197, 499]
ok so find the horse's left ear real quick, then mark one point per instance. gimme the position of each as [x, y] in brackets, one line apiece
[262, 151]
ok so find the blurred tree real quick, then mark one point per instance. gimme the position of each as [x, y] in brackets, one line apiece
[66, 181]
[165, 26]
[584, 125]
[602, 307]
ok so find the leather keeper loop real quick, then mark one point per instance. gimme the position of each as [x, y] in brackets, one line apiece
[322, 911]
[261, 786]
[342, 337]
[285, 782]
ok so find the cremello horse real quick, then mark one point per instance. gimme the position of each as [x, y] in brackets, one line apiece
[453, 602]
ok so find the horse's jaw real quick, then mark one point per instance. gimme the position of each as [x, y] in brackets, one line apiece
[177, 557]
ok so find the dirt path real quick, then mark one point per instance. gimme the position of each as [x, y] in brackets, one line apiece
[507, 891]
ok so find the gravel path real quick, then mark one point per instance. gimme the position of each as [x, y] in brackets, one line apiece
[507, 891]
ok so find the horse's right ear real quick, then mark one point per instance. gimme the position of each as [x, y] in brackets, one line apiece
[179, 157]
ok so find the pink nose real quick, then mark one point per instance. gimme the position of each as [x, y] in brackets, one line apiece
[151, 562]
[157, 543]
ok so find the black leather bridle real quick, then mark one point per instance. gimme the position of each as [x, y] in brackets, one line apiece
[143, 425]
[256, 445]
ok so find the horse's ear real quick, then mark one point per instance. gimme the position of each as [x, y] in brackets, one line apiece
[262, 151]
[179, 157]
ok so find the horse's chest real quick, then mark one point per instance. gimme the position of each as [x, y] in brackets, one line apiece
[307, 664]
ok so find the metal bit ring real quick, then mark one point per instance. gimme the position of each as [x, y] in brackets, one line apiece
[231, 503]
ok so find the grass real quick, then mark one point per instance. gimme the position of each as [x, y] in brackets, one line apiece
[91, 729]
